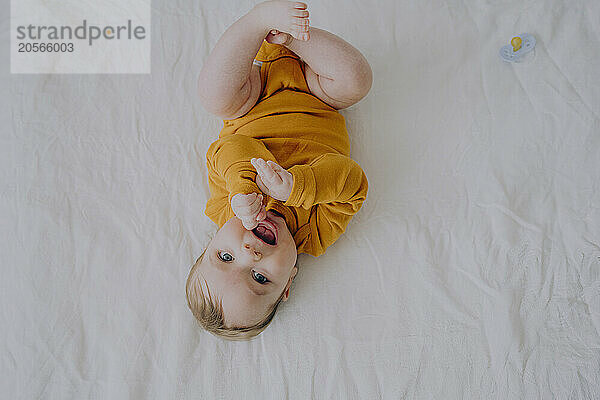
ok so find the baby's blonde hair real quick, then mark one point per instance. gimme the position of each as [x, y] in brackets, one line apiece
[210, 314]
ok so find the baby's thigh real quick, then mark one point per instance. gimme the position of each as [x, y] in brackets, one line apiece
[232, 104]
[252, 92]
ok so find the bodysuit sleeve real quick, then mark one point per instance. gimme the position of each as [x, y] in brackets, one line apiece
[335, 187]
[230, 172]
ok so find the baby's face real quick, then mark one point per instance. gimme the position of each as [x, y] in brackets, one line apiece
[247, 273]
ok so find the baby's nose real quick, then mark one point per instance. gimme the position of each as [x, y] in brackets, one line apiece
[257, 255]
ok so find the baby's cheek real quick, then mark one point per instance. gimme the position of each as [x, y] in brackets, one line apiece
[232, 228]
[286, 258]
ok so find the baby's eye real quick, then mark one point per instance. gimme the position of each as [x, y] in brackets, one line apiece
[225, 256]
[259, 278]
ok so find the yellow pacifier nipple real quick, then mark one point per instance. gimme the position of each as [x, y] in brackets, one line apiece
[519, 48]
[516, 43]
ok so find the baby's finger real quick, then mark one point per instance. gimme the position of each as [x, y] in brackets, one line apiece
[249, 224]
[251, 208]
[255, 206]
[265, 171]
[263, 188]
[241, 202]
[262, 169]
[283, 173]
[276, 167]
[261, 215]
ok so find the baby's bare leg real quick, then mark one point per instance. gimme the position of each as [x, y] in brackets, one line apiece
[343, 72]
[224, 81]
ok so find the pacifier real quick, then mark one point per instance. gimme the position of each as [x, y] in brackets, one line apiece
[517, 49]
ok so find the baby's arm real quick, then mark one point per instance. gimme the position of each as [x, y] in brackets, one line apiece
[334, 184]
[337, 187]
[230, 173]
[217, 208]
[229, 159]
[330, 178]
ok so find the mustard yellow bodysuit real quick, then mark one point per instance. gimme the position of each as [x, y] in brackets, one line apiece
[304, 135]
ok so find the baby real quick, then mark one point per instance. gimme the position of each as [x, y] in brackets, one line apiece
[280, 177]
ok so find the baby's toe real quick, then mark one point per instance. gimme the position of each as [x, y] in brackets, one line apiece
[300, 13]
[300, 5]
[301, 21]
[300, 33]
[301, 27]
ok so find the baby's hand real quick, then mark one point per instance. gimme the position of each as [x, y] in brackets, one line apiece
[272, 179]
[249, 209]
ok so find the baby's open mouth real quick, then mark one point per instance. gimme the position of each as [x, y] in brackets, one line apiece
[265, 234]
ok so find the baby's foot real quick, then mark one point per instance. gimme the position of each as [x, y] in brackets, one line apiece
[276, 37]
[286, 16]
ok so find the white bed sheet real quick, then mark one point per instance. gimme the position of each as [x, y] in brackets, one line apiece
[472, 270]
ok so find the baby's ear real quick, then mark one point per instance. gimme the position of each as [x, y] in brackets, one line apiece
[287, 288]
